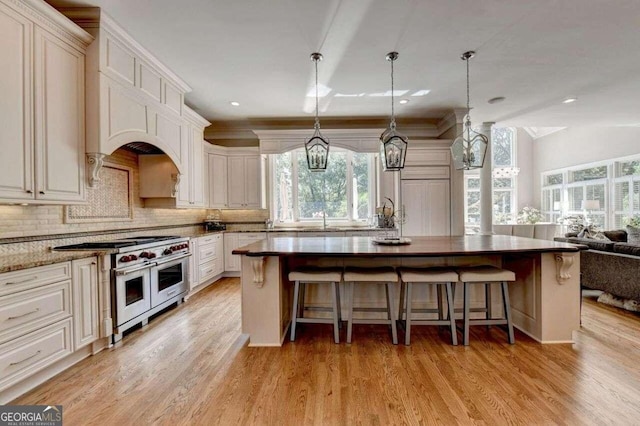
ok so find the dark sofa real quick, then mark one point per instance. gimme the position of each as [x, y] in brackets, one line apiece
[611, 266]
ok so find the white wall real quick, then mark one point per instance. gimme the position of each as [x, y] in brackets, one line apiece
[580, 145]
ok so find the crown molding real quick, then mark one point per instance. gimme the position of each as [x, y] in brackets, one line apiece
[539, 132]
[453, 118]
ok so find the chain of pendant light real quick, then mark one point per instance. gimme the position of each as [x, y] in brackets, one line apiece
[317, 123]
[468, 102]
[393, 114]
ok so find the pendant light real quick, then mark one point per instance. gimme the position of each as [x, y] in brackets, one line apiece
[469, 148]
[393, 145]
[317, 147]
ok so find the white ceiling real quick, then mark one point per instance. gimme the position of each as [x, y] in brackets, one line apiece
[534, 53]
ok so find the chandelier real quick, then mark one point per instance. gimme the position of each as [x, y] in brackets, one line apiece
[469, 148]
[393, 145]
[317, 147]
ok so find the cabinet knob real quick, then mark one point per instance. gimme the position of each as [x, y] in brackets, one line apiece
[28, 191]
[41, 192]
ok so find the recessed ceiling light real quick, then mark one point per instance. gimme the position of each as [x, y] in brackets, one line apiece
[496, 100]
[234, 103]
[569, 100]
[404, 101]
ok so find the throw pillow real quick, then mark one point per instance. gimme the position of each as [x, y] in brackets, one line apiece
[600, 236]
[633, 235]
[618, 236]
[585, 233]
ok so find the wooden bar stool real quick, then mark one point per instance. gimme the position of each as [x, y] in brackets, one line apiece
[440, 277]
[302, 277]
[381, 275]
[486, 275]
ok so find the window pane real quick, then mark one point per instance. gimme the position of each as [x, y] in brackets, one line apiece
[473, 183]
[282, 188]
[589, 174]
[473, 207]
[636, 196]
[555, 179]
[502, 144]
[621, 198]
[326, 191]
[502, 206]
[576, 195]
[596, 192]
[503, 183]
[630, 168]
[361, 197]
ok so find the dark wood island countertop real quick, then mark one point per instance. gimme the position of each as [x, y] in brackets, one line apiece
[420, 246]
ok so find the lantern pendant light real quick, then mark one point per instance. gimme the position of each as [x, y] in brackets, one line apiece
[317, 147]
[393, 145]
[469, 148]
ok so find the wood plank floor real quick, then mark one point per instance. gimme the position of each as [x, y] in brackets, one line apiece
[192, 366]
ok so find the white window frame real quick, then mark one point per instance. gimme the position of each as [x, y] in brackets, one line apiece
[349, 220]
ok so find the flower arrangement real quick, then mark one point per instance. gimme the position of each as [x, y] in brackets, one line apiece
[632, 220]
[529, 215]
[577, 223]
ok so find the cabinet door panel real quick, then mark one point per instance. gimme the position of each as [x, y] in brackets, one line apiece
[196, 169]
[427, 207]
[59, 119]
[236, 182]
[252, 182]
[217, 167]
[16, 142]
[85, 301]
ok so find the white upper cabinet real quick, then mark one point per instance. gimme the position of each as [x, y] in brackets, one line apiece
[244, 183]
[42, 138]
[235, 178]
[217, 170]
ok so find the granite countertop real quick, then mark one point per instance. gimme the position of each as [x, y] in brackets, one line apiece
[16, 262]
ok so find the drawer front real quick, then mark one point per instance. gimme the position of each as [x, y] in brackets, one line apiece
[252, 236]
[356, 233]
[209, 239]
[31, 353]
[428, 157]
[30, 310]
[11, 282]
[207, 270]
[207, 252]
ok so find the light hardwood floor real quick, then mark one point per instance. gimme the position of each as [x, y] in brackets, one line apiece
[192, 366]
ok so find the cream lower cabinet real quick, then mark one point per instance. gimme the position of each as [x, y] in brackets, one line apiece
[42, 138]
[427, 207]
[46, 314]
[210, 257]
[232, 262]
[85, 301]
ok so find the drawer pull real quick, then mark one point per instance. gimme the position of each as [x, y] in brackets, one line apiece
[171, 293]
[26, 359]
[23, 315]
[35, 277]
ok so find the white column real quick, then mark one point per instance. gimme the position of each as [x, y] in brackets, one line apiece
[486, 186]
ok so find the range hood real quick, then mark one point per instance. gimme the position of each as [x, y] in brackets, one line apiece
[132, 99]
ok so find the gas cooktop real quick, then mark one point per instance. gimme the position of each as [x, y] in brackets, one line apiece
[116, 244]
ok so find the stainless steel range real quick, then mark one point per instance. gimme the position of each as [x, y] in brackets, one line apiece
[148, 274]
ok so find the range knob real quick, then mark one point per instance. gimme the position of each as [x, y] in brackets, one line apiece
[167, 251]
[133, 257]
[146, 255]
[125, 259]
[152, 255]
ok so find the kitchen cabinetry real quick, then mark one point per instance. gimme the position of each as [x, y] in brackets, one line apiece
[85, 301]
[36, 312]
[244, 183]
[217, 169]
[232, 262]
[162, 185]
[427, 206]
[42, 138]
[210, 257]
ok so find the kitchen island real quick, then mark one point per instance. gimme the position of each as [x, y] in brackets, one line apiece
[545, 299]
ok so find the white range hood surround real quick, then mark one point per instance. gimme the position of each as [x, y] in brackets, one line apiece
[131, 96]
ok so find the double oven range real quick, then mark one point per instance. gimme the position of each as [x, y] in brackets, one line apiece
[148, 274]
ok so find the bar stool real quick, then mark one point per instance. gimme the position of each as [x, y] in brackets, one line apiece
[440, 277]
[304, 276]
[486, 275]
[381, 275]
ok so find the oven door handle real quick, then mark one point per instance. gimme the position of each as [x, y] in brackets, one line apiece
[126, 271]
[182, 256]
